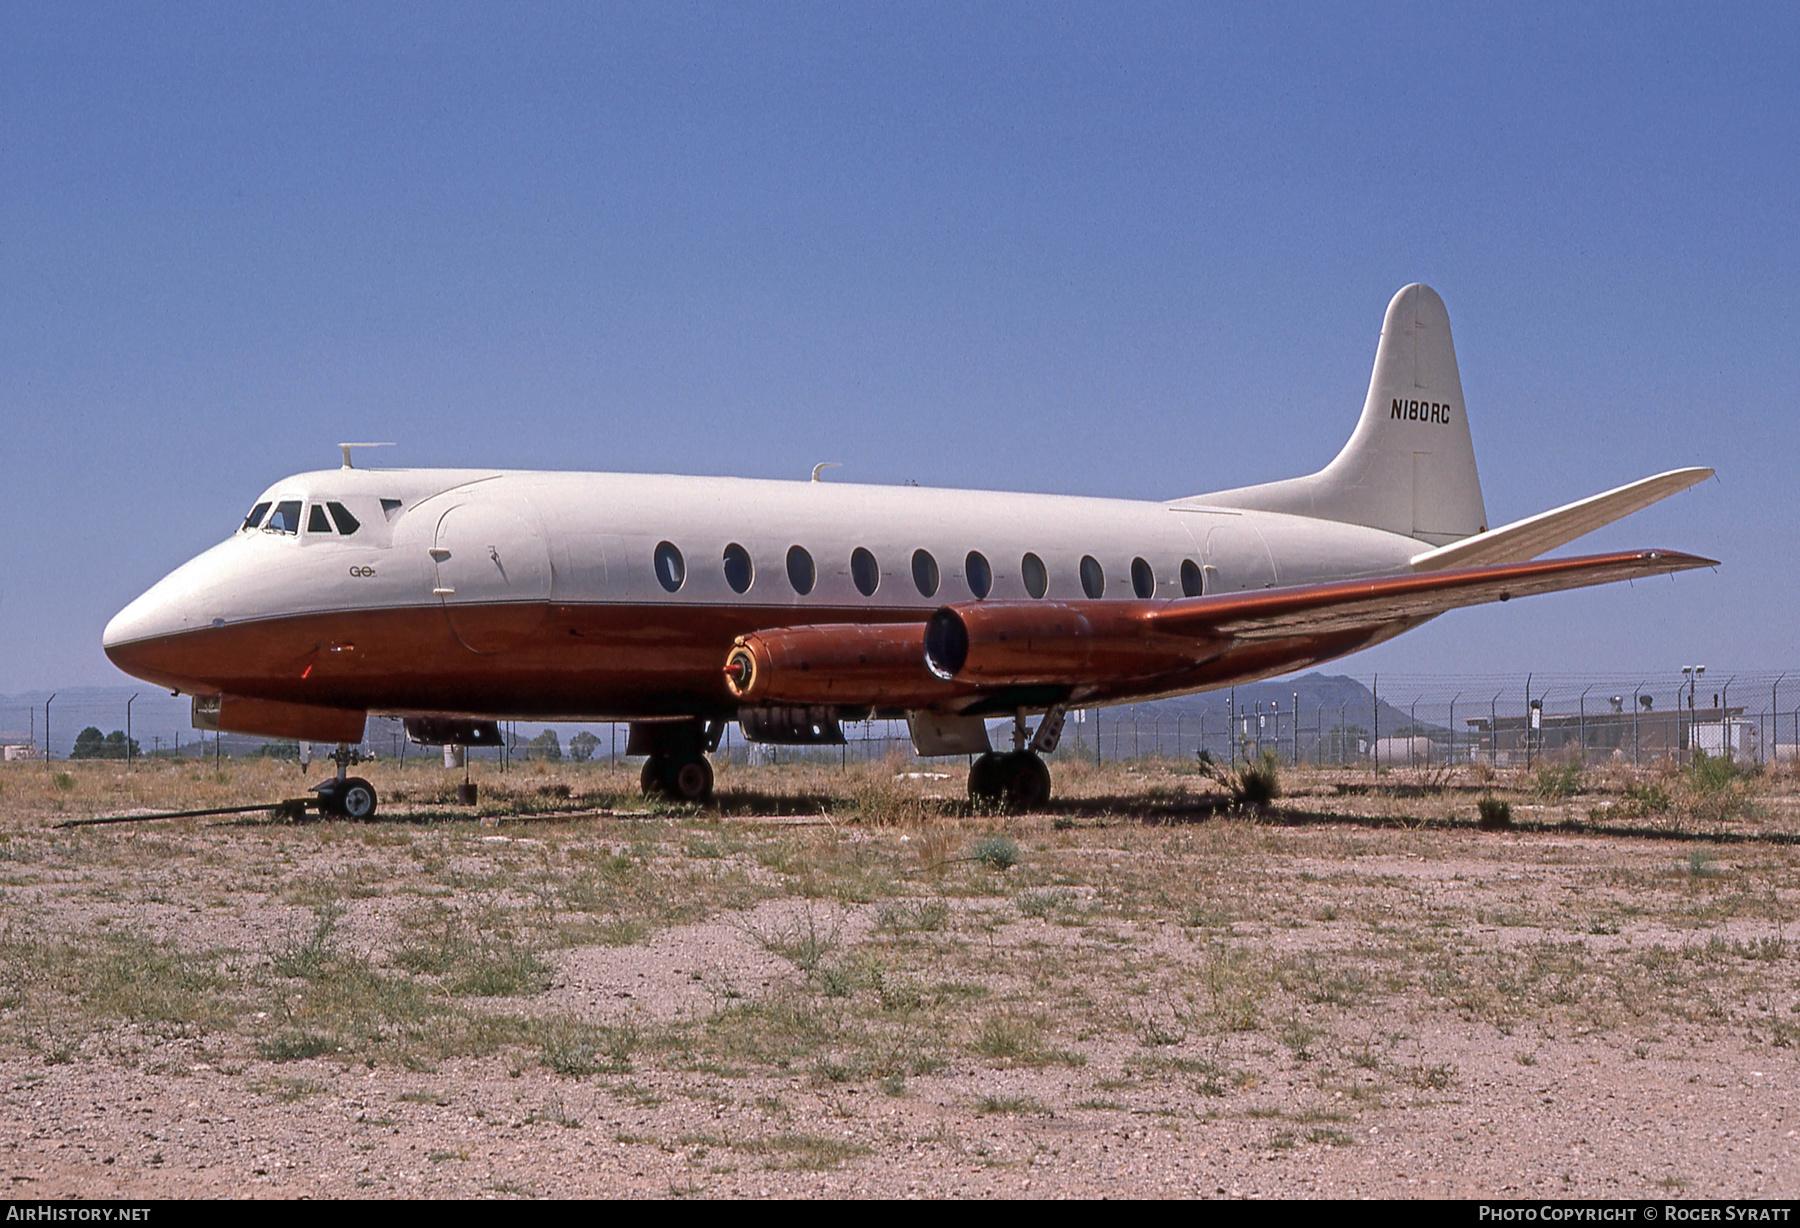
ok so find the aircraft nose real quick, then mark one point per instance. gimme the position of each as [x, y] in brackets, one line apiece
[142, 639]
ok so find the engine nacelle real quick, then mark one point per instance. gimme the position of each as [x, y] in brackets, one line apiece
[1044, 643]
[835, 664]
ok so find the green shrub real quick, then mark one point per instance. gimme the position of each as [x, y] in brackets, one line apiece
[1493, 814]
[996, 853]
[1554, 782]
[1252, 786]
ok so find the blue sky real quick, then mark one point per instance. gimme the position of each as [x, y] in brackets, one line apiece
[1119, 250]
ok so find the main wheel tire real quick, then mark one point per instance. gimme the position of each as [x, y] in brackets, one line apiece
[690, 780]
[650, 780]
[1028, 782]
[986, 781]
[356, 799]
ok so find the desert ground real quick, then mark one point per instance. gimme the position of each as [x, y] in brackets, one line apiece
[845, 981]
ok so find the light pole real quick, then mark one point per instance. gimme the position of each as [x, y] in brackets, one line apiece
[1774, 719]
[1528, 722]
[1581, 727]
[1725, 738]
[1692, 673]
[1453, 699]
[128, 704]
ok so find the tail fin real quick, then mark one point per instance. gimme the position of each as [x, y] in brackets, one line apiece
[1409, 467]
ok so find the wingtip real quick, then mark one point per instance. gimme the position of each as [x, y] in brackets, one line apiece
[1679, 560]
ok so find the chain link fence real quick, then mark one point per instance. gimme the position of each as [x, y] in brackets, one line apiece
[1394, 720]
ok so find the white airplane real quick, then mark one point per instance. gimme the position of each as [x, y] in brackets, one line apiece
[458, 598]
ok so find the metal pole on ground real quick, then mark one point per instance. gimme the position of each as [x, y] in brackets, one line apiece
[128, 704]
[1774, 716]
[1375, 721]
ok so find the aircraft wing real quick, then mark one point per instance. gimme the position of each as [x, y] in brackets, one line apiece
[993, 651]
[1532, 536]
[1354, 604]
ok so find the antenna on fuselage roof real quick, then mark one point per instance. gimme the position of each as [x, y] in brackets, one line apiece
[347, 446]
[822, 466]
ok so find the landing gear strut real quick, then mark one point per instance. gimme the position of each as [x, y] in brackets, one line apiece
[346, 796]
[1018, 780]
[677, 767]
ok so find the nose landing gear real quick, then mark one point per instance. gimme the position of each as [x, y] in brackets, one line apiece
[346, 796]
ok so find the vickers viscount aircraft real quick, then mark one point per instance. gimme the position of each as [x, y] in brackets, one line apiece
[459, 598]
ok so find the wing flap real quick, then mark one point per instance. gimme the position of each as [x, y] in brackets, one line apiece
[1532, 536]
[1317, 609]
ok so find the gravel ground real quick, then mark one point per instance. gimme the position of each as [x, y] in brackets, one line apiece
[826, 990]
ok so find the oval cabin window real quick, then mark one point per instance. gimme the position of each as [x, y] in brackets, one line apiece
[979, 575]
[1093, 580]
[925, 573]
[865, 572]
[1143, 580]
[800, 570]
[671, 570]
[738, 571]
[1191, 584]
[1037, 580]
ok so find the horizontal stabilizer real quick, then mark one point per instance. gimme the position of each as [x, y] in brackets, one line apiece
[1318, 609]
[1532, 536]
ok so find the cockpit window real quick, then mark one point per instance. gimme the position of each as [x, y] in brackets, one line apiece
[255, 516]
[316, 521]
[346, 523]
[285, 518]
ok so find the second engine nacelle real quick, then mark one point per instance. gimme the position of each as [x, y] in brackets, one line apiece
[1043, 643]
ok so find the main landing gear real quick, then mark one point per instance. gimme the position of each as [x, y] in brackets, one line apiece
[1018, 780]
[346, 796]
[677, 767]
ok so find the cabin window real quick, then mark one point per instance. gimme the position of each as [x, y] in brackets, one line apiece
[256, 515]
[1191, 584]
[346, 523]
[800, 570]
[1037, 580]
[389, 507]
[864, 571]
[925, 573]
[285, 518]
[671, 570]
[979, 575]
[1143, 580]
[738, 569]
[1093, 579]
[316, 520]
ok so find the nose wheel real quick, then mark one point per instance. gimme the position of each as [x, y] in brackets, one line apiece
[350, 798]
[346, 796]
[1016, 781]
[681, 778]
